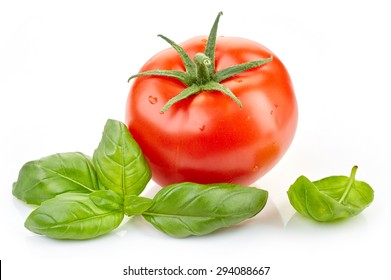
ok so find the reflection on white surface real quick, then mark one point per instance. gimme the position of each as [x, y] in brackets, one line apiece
[301, 223]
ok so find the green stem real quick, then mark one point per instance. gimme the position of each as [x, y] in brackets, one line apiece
[202, 63]
[350, 184]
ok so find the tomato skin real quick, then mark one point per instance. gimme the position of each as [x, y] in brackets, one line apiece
[208, 138]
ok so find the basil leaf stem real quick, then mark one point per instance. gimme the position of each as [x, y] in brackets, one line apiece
[349, 185]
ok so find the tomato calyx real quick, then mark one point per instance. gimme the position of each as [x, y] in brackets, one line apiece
[200, 72]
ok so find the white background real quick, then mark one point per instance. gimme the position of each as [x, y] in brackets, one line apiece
[63, 72]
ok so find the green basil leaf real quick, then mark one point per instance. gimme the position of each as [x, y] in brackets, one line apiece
[47, 177]
[107, 199]
[119, 162]
[331, 198]
[186, 209]
[136, 205]
[77, 215]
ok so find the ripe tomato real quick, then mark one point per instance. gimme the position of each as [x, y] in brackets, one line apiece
[207, 137]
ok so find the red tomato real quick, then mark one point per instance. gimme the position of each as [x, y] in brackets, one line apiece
[207, 137]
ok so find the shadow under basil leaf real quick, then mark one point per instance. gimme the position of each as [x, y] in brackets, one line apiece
[300, 223]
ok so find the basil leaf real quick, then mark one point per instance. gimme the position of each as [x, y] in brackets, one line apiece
[77, 216]
[107, 199]
[119, 162]
[136, 205]
[47, 177]
[186, 209]
[331, 198]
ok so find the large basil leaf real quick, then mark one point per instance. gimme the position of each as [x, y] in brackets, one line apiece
[47, 177]
[77, 216]
[188, 209]
[331, 198]
[119, 162]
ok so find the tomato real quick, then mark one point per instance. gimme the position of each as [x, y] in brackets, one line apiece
[207, 137]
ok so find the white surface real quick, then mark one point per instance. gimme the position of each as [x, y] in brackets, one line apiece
[63, 72]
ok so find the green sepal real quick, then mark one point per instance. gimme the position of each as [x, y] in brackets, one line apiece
[210, 49]
[183, 95]
[237, 69]
[179, 75]
[187, 62]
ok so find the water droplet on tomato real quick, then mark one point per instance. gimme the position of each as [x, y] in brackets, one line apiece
[152, 99]
[255, 168]
[239, 80]
[202, 128]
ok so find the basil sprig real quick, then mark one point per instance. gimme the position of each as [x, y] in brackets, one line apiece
[80, 198]
[331, 198]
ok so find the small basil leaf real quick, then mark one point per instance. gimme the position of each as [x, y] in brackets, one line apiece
[119, 162]
[331, 198]
[75, 216]
[186, 209]
[47, 177]
[136, 205]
